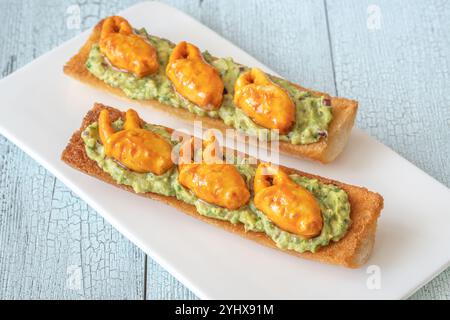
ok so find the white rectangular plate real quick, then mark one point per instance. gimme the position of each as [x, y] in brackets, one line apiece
[42, 107]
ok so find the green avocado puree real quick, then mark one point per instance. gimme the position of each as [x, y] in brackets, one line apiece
[312, 114]
[333, 201]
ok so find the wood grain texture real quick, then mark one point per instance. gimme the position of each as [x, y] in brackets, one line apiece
[399, 71]
[48, 236]
[52, 245]
[162, 286]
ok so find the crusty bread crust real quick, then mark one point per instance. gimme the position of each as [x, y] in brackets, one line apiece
[351, 251]
[325, 150]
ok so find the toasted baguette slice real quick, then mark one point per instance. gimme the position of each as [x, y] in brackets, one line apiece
[352, 250]
[325, 150]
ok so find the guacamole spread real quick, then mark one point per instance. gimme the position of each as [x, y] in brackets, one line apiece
[312, 114]
[333, 201]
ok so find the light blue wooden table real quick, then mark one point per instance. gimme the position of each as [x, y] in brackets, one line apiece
[392, 56]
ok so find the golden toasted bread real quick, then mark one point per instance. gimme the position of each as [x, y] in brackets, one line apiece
[352, 250]
[325, 150]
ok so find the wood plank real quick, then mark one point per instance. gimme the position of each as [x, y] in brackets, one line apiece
[400, 75]
[52, 245]
[399, 71]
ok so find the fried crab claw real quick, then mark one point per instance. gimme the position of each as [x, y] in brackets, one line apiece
[212, 180]
[126, 50]
[138, 149]
[194, 78]
[287, 204]
[265, 102]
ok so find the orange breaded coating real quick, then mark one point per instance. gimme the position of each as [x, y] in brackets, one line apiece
[194, 78]
[137, 149]
[288, 205]
[126, 50]
[266, 103]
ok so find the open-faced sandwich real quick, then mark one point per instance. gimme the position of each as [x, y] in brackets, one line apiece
[299, 213]
[218, 91]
